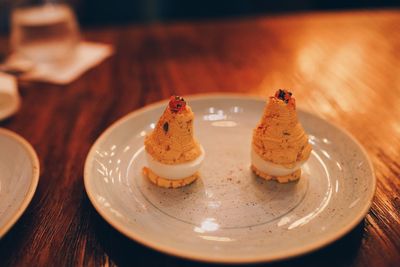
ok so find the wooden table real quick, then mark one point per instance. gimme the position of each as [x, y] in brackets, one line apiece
[345, 67]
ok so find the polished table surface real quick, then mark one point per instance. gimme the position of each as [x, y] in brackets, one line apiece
[344, 67]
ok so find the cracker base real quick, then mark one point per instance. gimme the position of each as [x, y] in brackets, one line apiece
[167, 183]
[295, 176]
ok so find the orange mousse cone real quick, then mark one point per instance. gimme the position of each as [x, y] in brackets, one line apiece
[280, 145]
[173, 154]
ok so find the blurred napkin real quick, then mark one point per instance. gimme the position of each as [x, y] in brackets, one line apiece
[9, 97]
[87, 56]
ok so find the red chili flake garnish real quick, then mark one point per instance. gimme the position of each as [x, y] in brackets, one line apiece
[177, 103]
[285, 96]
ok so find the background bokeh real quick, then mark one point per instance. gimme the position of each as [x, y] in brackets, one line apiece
[106, 12]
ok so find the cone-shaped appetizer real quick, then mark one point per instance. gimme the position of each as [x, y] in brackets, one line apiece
[280, 145]
[173, 154]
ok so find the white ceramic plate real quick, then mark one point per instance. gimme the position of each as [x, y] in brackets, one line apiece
[19, 176]
[229, 215]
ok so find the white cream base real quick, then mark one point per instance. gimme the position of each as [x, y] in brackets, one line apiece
[272, 168]
[177, 171]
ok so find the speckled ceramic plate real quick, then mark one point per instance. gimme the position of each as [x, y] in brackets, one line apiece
[229, 215]
[19, 176]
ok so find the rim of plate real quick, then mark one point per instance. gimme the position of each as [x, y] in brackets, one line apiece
[240, 260]
[34, 178]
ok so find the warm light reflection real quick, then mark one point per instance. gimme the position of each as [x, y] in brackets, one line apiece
[316, 66]
[207, 225]
[110, 173]
[217, 238]
[326, 141]
[214, 204]
[99, 154]
[339, 166]
[103, 170]
[219, 115]
[224, 123]
[306, 168]
[354, 203]
[308, 60]
[102, 200]
[209, 193]
[312, 139]
[116, 212]
[326, 154]
[236, 109]
[283, 221]
[396, 126]
[337, 186]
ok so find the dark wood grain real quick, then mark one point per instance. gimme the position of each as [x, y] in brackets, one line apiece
[344, 67]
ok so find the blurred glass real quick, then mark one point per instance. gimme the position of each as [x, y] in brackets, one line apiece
[44, 32]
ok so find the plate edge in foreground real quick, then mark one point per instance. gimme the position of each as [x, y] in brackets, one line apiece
[34, 179]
